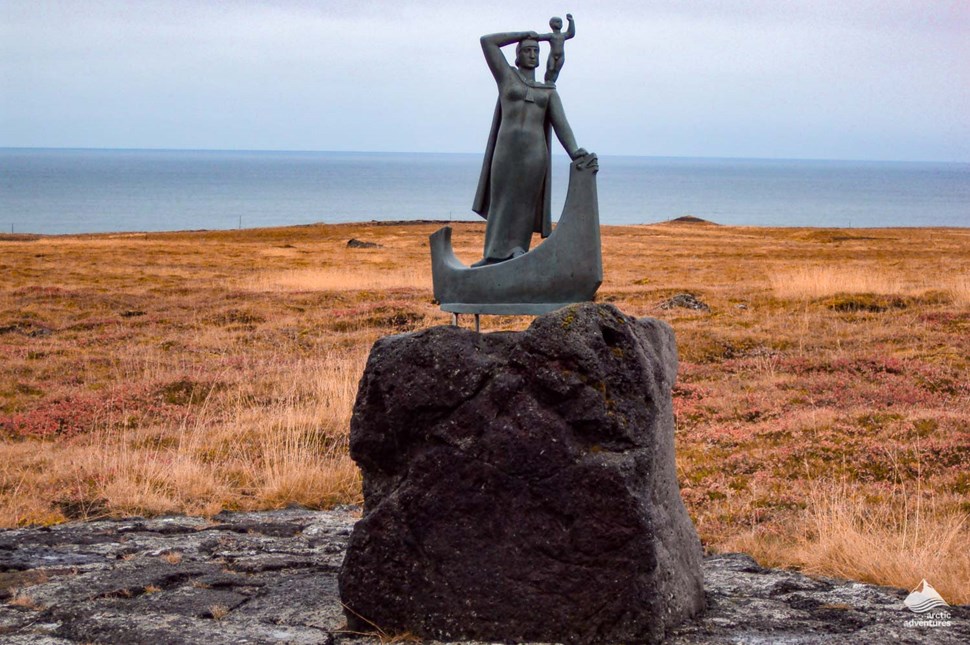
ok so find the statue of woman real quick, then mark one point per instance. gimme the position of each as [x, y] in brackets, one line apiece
[514, 187]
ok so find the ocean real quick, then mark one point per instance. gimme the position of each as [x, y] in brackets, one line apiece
[54, 191]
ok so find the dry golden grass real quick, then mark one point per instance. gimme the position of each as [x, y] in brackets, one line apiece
[218, 612]
[809, 282]
[172, 557]
[959, 287]
[196, 372]
[819, 281]
[891, 542]
[23, 601]
[252, 454]
[896, 542]
[337, 279]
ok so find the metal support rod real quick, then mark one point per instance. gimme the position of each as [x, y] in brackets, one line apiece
[478, 323]
[454, 319]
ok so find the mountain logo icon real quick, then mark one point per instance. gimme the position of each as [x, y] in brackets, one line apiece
[924, 598]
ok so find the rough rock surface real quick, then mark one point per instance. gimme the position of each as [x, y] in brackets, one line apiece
[257, 578]
[522, 485]
[161, 581]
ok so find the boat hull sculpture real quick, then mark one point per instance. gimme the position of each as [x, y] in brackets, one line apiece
[566, 268]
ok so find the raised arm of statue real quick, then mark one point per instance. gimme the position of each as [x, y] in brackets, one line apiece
[571, 30]
[492, 47]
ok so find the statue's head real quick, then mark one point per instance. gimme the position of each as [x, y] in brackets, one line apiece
[527, 54]
[556, 23]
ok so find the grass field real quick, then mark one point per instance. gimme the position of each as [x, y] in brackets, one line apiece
[823, 402]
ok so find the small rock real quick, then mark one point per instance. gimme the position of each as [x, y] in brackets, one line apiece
[685, 301]
[354, 243]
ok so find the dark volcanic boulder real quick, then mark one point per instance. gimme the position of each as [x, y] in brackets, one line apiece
[522, 485]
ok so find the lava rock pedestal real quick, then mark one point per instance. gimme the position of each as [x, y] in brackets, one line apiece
[521, 486]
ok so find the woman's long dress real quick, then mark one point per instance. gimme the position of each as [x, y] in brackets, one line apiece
[519, 168]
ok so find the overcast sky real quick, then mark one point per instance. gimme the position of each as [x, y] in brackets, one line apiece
[830, 79]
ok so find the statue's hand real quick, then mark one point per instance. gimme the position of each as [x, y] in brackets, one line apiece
[588, 162]
[577, 153]
[569, 16]
[532, 34]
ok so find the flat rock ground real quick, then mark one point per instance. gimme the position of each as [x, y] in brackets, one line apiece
[271, 577]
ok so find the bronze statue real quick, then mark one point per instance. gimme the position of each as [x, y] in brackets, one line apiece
[514, 193]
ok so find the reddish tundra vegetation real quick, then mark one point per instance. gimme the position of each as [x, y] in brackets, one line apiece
[823, 402]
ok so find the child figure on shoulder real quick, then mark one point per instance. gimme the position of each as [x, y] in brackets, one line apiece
[557, 49]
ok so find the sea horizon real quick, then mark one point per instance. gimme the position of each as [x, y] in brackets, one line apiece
[117, 190]
[555, 154]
